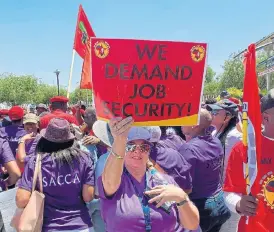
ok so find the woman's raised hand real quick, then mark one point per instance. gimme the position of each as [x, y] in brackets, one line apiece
[120, 127]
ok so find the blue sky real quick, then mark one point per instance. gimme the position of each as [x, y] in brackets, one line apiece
[36, 37]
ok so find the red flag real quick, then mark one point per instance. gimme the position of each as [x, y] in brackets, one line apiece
[252, 133]
[86, 68]
[82, 33]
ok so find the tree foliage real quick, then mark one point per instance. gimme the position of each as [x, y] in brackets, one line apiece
[233, 74]
[212, 88]
[27, 89]
[210, 74]
[84, 95]
[234, 92]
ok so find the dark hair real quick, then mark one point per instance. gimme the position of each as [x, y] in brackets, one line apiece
[17, 121]
[58, 106]
[222, 137]
[63, 152]
[83, 107]
[211, 101]
[231, 125]
[6, 122]
[177, 129]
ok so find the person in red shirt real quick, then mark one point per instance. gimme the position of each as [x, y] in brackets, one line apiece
[259, 207]
[78, 113]
[4, 113]
[59, 106]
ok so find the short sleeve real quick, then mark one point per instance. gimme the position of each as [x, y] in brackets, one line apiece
[6, 154]
[99, 169]
[101, 191]
[191, 159]
[100, 187]
[232, 138]
[234, 178]
[88, 174]
[27, 178]
[174, 164]
[27, 158]
[100, 165]
[33, 145]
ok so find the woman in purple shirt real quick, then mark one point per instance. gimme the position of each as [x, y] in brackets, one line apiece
[68, 180]
[131, 198]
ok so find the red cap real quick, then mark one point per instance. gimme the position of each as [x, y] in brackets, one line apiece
[4, 112]
[59, 99]
[16, 113]
[235, 100]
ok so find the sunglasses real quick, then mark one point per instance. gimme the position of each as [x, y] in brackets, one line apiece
[214, 112]
[143, 147]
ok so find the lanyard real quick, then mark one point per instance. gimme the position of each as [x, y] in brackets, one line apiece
[144, 203]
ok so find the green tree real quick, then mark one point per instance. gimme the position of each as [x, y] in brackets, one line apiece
[232, 75]
[262, 80]
[18, 90]
[234, 92]
[84, 95]
[212, 88]
[210, 74]
[44, 92]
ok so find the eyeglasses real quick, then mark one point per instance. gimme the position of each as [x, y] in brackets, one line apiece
[143, 147]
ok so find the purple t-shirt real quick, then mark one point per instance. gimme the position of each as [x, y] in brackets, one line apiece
[205, 154]
[30, 147]
[123, 211]
[172, 141]
[173, 163]
[5, 154]
[62, 185]
[33, 146]
[12, 133]
[5, 157]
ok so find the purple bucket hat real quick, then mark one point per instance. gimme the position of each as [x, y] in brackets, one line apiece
[58, 131]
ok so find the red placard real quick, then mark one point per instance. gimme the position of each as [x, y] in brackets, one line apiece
[156, 82]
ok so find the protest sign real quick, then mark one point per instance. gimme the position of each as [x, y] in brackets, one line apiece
[8, 207]
[155, 82]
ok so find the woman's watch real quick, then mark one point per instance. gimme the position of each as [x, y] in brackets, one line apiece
[21, 141]
[186, 200]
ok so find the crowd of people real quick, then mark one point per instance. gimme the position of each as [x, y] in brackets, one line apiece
[112, 176]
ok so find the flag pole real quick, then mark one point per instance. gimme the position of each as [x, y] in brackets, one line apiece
[245, 143]
[70, 73]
